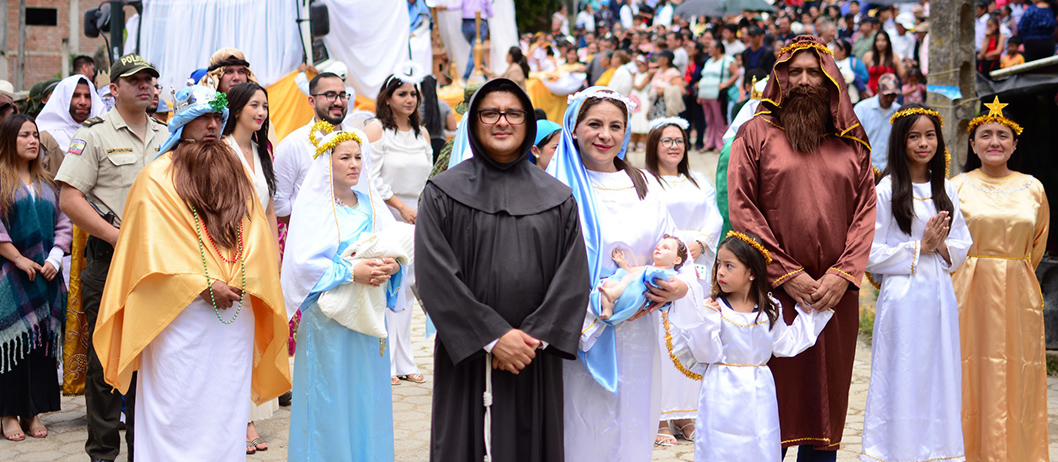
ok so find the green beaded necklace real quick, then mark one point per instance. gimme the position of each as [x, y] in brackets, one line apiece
[205, 267]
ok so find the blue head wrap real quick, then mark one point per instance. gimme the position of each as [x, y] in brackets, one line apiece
[545, 128]
[197, 75]
[461, 144]
[190, 103]
[567, 167]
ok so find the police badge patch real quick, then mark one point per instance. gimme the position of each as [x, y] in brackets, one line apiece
[76, 147]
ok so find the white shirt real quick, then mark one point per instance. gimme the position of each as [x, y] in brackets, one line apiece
[260, 183]
[626, 16]
[680, 59]
[401, 163]
[903, 45]
[736, 47]
[980, 27]
[586, 21]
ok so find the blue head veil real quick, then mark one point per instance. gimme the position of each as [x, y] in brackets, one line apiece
[567, 167]
[190, 103]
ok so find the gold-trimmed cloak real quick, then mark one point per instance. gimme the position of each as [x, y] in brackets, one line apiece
[157, 271]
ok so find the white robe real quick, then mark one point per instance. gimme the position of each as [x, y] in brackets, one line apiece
[738, 413]
[693, 209]
[914, 399]
[196, 370]
[601, 426]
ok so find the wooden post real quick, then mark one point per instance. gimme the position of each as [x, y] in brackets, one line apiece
[952, 62]
[76, 16]
[4, 63]
[479, 48]
[20, 61]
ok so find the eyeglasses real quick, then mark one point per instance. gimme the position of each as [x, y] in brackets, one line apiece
[668, 142]
[492, 116]
[331, 96]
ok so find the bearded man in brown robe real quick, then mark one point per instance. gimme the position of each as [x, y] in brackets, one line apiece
[800, 177]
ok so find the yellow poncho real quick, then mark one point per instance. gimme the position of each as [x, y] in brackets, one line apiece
[157, 271]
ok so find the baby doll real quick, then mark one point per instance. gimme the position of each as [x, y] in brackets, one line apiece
[669, 256]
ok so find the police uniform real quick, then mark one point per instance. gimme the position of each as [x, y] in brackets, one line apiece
[104, 157]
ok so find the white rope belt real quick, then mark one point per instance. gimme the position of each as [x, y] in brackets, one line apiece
[487, 399]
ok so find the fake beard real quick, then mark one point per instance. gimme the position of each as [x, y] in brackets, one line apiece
[805, 115]
[209, 178]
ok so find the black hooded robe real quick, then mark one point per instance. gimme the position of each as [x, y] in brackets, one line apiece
[499, 246]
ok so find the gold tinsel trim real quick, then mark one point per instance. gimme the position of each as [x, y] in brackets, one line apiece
[914, 111]
[983, 119]
[947, 163]
[668, 344]
[873, 282]
[805, 45]
[752, 242]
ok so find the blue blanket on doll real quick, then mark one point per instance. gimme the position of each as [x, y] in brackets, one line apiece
[632, 299]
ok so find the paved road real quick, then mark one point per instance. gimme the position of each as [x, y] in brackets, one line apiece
[411, 408]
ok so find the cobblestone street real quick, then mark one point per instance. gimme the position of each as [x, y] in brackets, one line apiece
[411, 412]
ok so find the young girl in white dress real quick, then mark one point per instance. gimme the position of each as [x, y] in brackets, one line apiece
[920, 238]
[691, 200]
[729, 346]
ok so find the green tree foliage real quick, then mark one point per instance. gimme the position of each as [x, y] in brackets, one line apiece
[535, 15]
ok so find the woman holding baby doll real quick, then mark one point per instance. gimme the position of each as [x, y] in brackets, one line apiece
[343, 405]
[612, 395]
[691, 201]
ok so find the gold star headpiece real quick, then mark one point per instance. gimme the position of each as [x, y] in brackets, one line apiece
[995, 114]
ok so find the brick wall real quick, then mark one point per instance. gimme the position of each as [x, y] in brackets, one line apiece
[44, 43]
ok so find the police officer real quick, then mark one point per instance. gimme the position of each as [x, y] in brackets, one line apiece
[103, 159]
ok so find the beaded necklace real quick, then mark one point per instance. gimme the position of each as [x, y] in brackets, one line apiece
[209, 284]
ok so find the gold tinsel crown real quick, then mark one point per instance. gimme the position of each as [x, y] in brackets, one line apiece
[914, 111]
[805, 45]
[753, 243]
[330, 137]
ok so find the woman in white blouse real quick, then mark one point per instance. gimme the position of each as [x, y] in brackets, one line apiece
[247, 127]
[401, 159]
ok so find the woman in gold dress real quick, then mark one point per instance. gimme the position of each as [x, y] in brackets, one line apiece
[1000, 304]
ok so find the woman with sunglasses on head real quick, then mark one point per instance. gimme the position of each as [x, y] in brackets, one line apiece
[401, 159]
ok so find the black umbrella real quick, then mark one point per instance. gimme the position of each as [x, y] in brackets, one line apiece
[718, 8]
[736, 6]
[696, 8]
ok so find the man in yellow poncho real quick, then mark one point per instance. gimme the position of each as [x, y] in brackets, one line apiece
[192, 300]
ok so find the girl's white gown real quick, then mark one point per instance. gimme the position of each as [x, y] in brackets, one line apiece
[738, 413]
[914, 400]
[694, 212]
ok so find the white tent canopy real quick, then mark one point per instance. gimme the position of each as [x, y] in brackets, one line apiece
[370, 36]
[180, 35]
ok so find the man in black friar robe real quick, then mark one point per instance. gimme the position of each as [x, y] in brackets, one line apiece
[501, 269]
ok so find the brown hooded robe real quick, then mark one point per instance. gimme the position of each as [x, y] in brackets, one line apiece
[815, 213]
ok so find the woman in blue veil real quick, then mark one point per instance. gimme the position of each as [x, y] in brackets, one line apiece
[612, 398]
